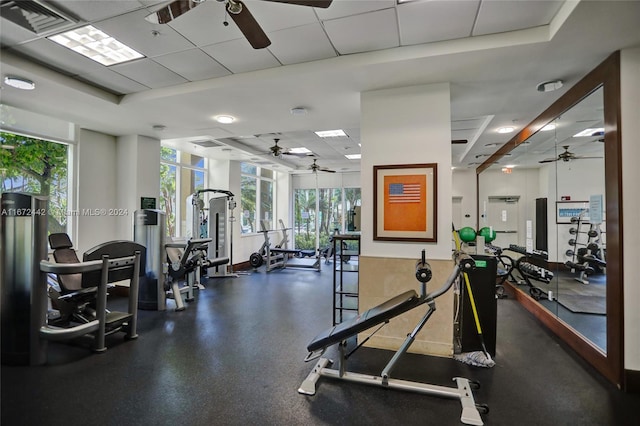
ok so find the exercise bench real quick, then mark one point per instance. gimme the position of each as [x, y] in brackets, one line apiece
[379, 316]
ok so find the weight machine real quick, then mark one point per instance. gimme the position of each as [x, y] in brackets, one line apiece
[216, 225]
[279, 256]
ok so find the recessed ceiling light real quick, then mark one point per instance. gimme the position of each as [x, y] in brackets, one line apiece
[331, 133]
[19, 82]
[354, 156]
[589, 132]
[96, 45]
[225, 119]
[549, 86]
[548, 127]
[506, 129]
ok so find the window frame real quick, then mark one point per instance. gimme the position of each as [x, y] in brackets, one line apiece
[179, 168]
[259, 179]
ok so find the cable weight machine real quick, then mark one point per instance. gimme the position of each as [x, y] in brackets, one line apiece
[216, 223]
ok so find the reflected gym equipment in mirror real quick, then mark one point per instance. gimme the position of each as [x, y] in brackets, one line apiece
[560, 197]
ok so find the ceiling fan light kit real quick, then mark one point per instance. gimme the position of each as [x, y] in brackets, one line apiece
[238, 11]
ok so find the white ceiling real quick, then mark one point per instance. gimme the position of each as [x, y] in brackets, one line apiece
[493, 53]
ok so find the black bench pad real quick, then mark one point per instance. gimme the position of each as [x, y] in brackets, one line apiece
[376, 315]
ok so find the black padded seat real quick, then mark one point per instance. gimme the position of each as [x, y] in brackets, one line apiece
[374, 316]
[63, 252]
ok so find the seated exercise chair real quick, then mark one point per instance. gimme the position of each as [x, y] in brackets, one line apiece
[102, 265]
[185, 260]
[73, 302]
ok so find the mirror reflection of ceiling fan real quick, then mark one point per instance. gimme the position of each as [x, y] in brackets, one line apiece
[315, 167]
[238, 12]
[278, 151]
[566, 156]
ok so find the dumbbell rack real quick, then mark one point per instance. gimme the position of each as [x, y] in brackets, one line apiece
[590, 246]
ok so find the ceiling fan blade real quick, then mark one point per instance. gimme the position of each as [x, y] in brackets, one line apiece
[548, 160]
[579, 157]
[248, 25]
[458, 141]
[171, 11]
[327, 170]
[315, 3]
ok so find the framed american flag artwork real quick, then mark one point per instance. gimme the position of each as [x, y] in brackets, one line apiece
[405, 202]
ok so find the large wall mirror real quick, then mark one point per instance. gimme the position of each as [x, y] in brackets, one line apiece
[552, 194]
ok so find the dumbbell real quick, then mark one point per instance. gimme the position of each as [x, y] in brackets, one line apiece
[593, 247]
[592, 232]
[570, 253]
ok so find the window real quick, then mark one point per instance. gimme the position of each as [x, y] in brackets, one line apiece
[181, 174]
[257, 189]
[321, 211]
[41, 167]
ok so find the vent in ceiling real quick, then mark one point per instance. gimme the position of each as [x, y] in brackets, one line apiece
[207, 143]
[36, 16]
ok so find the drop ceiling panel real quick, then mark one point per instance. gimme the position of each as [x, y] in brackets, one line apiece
[113, 81]
[301, 44]
[369, 31]
[134, 31]
[204, 25]
[56, 56]
[273, 16]
[424, 22]
[502, 16]
[149, 73]
[342, 8]
[238, 56]
[192, 64]
[95, 10]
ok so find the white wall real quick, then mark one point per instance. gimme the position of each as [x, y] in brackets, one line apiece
[96, 189]
[408, 125]
[521, 182]
[630, 105]
[138, 176]
[464, 186]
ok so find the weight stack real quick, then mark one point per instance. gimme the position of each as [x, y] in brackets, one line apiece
[483, 286]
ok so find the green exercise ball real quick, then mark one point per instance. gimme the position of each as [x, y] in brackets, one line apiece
[488, 234]
[467, 234]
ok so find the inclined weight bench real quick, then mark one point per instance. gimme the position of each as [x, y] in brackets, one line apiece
[379, 316]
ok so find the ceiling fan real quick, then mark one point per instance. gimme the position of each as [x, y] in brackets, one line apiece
[278, 151]
[566, 156]
[315, 167]
[238, 12]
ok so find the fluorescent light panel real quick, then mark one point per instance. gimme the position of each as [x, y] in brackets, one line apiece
[331, 133]
[96, 45]
[300, 150]
[589, 132]
[353, 156]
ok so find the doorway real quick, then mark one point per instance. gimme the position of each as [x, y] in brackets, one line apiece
[502, 215]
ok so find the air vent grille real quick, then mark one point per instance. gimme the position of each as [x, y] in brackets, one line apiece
[207, 143]
[35, 16]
